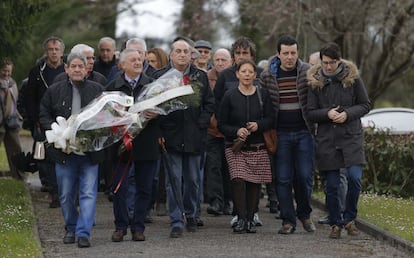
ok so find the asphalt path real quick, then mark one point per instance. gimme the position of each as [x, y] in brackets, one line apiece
[214, 239]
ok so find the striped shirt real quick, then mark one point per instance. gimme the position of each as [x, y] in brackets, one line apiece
[290, 114]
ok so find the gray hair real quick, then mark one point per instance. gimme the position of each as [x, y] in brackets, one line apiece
[124, 52]
[53, 38]
[107, 39]
[76, 55]
[136, 41]
[80, 48]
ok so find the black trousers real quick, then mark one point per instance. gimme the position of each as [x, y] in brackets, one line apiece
[217, 174]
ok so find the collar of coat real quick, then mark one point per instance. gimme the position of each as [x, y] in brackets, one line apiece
[347, 76]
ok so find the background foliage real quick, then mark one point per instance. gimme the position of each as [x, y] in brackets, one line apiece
[378, 35]
[390, 160]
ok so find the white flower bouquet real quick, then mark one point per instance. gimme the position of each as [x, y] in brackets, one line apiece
[114, 116]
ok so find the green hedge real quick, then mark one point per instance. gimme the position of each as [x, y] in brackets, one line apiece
[390, 167]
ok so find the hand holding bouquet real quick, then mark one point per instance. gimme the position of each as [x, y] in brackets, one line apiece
[113, 115]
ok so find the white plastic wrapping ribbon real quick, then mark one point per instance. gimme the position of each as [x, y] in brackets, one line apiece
[95, 109]
[161, 98]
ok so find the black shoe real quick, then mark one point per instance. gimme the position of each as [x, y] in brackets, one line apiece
[200, 223]
[148, 219]
[54, 201]
[176, 232]
[273, 207]
[45, 189]
[110, 196]
[214, 209]
[277, 215]
[227, 210]
[240, 226]
[83, 242]
[191, 225]
[251, 227]
[69, 238]
[324, 220]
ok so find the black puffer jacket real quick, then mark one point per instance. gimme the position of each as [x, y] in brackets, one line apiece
[57, 101]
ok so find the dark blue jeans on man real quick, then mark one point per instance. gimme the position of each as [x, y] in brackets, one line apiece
[78, 176]
[186, 168]
[144, 175]
[294, 168]
[333, 180]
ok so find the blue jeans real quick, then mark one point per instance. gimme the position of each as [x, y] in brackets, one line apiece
[333, 180]
[144, 172]
[294, 169]
[186, 168]
[78, 173]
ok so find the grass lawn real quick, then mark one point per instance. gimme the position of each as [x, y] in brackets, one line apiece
[17, 221]
[393, 214]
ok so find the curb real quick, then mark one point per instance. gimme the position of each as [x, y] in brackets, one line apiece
[35, 225]
[376, 232]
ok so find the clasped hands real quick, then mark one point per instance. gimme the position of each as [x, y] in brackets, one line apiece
[243, 132]
[336, 116]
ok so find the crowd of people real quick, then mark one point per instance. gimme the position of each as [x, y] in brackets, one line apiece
[315, 108]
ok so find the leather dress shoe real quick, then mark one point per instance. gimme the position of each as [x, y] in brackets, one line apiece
[69, 238]
[251, 227]
[138, 236]
[83, 242]
[240, 226]
[118, 235]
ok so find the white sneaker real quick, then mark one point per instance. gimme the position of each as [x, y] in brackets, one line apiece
[233, 221]
[257, 220]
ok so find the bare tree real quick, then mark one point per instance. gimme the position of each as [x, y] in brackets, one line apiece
[378, 35]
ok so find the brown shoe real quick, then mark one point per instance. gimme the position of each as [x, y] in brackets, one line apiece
[335, 232]
[308, 225]
[351, 229]
[286, 229]
[138, 236]
[118, 235]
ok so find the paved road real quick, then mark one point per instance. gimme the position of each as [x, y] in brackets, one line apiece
[215, 239]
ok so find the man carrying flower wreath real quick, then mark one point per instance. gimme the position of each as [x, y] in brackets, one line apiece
[76, 173]
[185, 133]
[143, 157]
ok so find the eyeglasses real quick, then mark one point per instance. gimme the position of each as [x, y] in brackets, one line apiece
[326, 63]
[90, 57]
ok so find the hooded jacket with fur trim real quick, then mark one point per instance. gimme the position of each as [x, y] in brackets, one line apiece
[338, 145]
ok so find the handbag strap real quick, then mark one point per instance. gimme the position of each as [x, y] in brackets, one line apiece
[259, 95]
